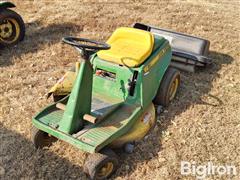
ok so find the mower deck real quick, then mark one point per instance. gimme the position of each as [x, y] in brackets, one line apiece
[93, 136]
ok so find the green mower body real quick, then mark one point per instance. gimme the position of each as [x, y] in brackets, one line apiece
[109, 99]
[119, 96]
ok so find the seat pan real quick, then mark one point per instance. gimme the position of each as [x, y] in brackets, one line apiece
[129, 46]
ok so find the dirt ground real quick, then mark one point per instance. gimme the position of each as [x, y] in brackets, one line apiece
[201, 125]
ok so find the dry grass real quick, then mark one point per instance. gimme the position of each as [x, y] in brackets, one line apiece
[202, 124]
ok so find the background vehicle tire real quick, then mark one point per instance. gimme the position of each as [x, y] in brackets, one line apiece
[12, 28]
[101, 165]
[40, 138]
[168, 87]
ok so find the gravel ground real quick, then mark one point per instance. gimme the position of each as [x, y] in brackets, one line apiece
[201, 125]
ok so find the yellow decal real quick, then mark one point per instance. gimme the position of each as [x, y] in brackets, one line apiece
[154, 61]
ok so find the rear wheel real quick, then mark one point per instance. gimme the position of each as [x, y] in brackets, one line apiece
[40, 138]
[168, 87]
[12, 28]
[101, 165]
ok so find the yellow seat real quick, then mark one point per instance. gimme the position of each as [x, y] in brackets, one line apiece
[129, 46]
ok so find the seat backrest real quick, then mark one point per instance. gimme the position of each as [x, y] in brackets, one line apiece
[129, 46]
[136, 35]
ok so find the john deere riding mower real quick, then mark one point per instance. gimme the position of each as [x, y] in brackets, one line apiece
[12, 28]
[111, 100]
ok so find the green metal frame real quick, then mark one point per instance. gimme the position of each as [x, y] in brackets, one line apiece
[64, 124]
[79, 102]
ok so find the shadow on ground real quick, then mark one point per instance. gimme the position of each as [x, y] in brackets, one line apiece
[36, 36]
[193, 87]
[31, 163]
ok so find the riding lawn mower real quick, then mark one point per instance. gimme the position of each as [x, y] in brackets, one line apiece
[107, 101]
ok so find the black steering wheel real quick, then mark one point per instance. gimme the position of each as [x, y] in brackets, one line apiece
[85, 44]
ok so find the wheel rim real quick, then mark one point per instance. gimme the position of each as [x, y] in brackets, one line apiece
[173, 89]
[9, 31]
[105, 170]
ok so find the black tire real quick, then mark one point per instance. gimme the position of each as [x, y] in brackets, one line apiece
[101, 165]
[40, 138]
[165, 92]
[57, 98]
[17, 34]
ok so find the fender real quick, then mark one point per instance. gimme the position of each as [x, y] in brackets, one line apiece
[6, 4]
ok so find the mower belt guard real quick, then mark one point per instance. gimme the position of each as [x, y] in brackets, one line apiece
[188, 51]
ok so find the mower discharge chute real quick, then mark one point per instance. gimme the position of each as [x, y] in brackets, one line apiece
[12, 28]
[111, 101]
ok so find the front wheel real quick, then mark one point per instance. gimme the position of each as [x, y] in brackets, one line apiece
[40, 138]
[168, 87]
[12, 28]
[101, 165]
